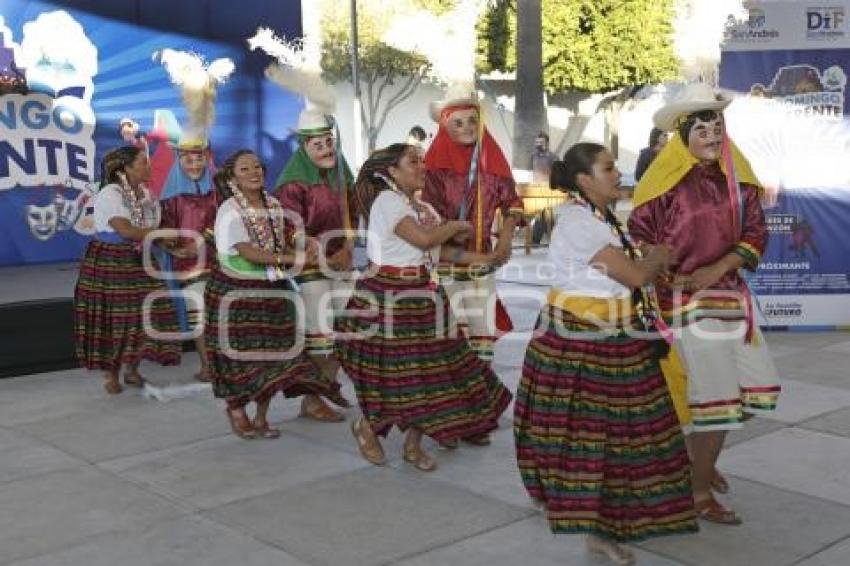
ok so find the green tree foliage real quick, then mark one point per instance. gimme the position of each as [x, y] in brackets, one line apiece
[387, 75]
[497, 38]
[588, 45]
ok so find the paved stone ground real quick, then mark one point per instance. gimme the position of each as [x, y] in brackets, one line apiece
[92, 480]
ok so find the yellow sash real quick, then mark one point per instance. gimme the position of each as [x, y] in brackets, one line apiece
[598, 311]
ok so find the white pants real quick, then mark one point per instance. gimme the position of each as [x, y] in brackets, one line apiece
[473, 304]
[726, 376]
[321, 298]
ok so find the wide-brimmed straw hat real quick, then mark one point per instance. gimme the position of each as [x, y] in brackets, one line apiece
[693, 98]
[456, 95]
[313, 122]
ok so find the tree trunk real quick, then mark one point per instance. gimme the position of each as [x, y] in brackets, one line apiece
[530, 112]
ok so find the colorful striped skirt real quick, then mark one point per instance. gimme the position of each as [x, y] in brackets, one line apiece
[108, 310]
[251, 347]
[409, 368]
[597, 437]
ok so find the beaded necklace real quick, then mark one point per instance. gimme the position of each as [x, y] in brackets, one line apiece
[134, 203]
[644, 298]
[267, 235]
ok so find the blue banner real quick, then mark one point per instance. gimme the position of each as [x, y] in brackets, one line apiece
[792, 124]
[66, 80]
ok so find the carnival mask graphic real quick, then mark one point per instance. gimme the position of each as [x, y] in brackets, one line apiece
[62, 214]
[68, 211]
[42, 221]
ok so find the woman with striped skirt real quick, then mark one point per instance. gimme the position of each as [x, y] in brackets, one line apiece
[250, 323]
[598, 442]
[410, 368]
[109, 298]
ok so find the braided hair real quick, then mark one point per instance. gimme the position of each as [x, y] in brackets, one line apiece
[580, 159]
[115, 162]
[368, 185]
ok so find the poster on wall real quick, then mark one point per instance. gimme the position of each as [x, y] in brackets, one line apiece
[67, 78]
[789, 64]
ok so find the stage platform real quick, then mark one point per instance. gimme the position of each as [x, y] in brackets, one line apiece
[36, 318]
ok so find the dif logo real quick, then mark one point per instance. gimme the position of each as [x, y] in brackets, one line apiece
[825, 21]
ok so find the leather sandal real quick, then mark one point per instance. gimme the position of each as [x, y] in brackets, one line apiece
[339, 400]
[241, 424]
[113, 386]
[133, 378]
[616, 553]
[479, 440]
[266, 431]
[203, 376]
[420, 459]
[320, 412]
[369, 446]
[711, 510]
[719, 483]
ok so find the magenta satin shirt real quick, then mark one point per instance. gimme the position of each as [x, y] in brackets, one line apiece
[190, 212]
[444, 190]
[320, 208]
[694, 218]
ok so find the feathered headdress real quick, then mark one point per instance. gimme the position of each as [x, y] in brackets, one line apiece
[198, 82]
[448, 41]
[295, 71]
[699, 29]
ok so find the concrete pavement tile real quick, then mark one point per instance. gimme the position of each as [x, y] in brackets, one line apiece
[144, 426]
[841, 347]
[837, 422]
[188, 541]
[49, 512]
[223, 470]
[753, 428]
[836, 555]
[802, 401]
[525, 542]
[807, 340]
[817, 367]
[509, 351]
[779, 529]
[32, 398]
[795, 459]
[781, 350]
[490, 471]
[24, 457]
[368, 517]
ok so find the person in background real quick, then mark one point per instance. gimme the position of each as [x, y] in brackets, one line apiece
[657, 140]
[541, 159]
[417, 136]
[131, 134]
